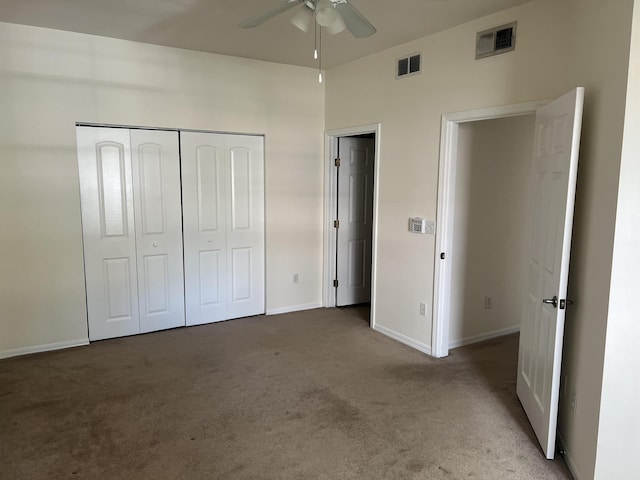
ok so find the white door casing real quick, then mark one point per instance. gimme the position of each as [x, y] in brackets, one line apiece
[556, 152]
[443, 275]
[355, 217]
[223, 201]
[557, 140]
[158, 211]
[106, 190]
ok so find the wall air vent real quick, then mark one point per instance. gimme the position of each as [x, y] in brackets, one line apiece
[496, 40]
[410, 65]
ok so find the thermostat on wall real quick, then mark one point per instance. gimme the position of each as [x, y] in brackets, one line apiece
[421, 225]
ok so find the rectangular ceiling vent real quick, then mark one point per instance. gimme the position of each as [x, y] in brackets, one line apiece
[410, 65]
[496, 40]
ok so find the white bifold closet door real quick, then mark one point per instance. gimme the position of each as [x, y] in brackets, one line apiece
[131, 221]
[223, 203]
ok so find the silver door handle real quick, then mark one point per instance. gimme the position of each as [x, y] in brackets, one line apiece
[551, 301]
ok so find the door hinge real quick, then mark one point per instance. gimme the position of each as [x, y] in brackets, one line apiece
[335, 283]
[336, 224]
[337, 162]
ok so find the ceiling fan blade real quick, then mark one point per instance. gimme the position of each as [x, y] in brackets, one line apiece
[260, 19]
[356, 23]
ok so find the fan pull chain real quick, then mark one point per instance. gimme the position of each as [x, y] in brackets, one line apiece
[315, 38]
[320, 57]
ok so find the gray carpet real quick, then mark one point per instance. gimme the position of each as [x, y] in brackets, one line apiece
[310, 395]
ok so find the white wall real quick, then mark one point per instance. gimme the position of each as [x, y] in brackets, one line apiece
[493, 176]
[51, 79]
[599, 62]
[619, 426]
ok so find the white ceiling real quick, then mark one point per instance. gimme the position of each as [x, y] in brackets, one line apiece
[212, 25]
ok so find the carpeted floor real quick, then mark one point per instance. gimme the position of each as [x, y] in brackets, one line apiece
[309, 395]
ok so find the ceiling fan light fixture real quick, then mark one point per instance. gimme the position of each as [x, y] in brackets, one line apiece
[326, 14]
[302, 19]
[337, 26]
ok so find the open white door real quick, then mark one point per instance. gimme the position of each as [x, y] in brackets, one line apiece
[355, 217]
[557, 140]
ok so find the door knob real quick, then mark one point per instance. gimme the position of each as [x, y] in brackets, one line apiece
[155, 244]
[551, 301]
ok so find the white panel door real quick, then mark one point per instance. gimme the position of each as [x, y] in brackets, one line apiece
[104, 162]
[156, 179]
[244, 158]
[204, 199]
[223, 203]
[355, 214]
[555, 156]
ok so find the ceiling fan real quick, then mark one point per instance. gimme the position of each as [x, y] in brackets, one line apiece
[334, 15]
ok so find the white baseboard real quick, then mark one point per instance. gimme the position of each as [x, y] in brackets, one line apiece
[43, 348]
[293, 308]
[568, 459]
[424, 348]
[482, 337]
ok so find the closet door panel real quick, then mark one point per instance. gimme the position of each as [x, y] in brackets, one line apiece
[157, 288]
[245, 225]
[210, 288]
[156, 175]
[204, 197]
[106, 192]
[241, 275]
[241, 188]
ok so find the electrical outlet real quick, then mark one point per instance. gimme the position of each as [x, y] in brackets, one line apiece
[487, 303]
[296, 278]
[423, 309]
[574, 402]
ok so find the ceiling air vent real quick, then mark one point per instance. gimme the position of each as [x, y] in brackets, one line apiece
[496, 40]
[410, 65]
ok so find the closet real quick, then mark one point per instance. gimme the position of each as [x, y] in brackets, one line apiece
[159, 231]
[223, 192]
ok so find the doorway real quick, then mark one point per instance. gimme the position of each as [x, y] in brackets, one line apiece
[350, 217]
[490, 224]
[445, 236]
[553, 176]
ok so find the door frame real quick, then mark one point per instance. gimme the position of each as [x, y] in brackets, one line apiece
[330, 193]
[445, 215]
